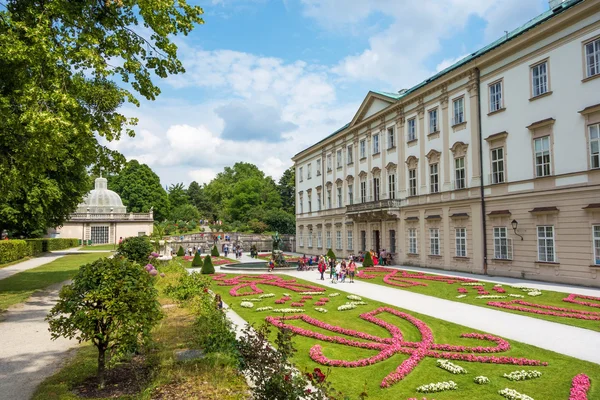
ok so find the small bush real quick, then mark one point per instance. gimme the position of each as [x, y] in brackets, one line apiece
[136, 249]
[197, 261]
[213, 329]
[12, 250]
[188, 286]
[368, 261]
[214, 251]
[208, 267]
[331, 254]
[180, 252]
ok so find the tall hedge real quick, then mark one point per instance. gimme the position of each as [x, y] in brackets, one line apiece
[197, 261]
[208, 267]
[368, 261]
[180, 252]
[38, 246]
[214, 252]
[12, 250]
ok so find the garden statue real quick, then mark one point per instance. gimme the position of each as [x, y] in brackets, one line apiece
[277, 242]
[277, 253]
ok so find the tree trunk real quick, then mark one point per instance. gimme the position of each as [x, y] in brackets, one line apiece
[101, 365]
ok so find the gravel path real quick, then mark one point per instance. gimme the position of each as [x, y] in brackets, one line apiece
[29, 264]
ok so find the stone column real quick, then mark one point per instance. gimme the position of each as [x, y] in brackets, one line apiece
[445, 124]
[421, 135]
[473, 88]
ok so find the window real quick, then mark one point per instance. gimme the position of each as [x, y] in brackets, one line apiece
[339, 197]
[434, 242]
[412, 182]
[99, 234]
[363, 240]
[318, 164]
[461, 242]
[434, 183]
[338, 240]
[301, 239]
[309, 171]
[328, 239]
[502, 245]
[376, 144]
[319, 239]
[458, 106]
[319, 201]
[350, 194]
[349, 154]
[300, 178]
[542, 156]
[350, 241]
[363, 148]
[363, 192]
[328, 199]
[309, 203]
[596, 230]
[498, 165]
[376, 189]
[301, 205]
[338, 157]
[539, 79]
[412, 241]
[391, 138]
[595, 145]
[592, 58]
[459, 173]
[495, 96]
[412, 129]
[329, 165]
[392, 186]
[546, 243]
[392, 241]
[310, 238]
[433, 121]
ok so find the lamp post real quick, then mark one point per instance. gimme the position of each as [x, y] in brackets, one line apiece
[515, 224]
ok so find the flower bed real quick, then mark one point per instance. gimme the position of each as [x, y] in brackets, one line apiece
[580, 387]
[264, 309]
[266, 295]
[522, 375]
[401, 278]
[252, 281]
[321, 310]
[437, 387]
[288, 310]
[450, 367]
[546, 310]
[247, 304]
[481, 380]
[353, 297]
[512, 394]
[572, 298]
[346, 307]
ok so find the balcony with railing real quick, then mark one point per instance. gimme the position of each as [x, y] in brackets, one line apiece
[374, 203]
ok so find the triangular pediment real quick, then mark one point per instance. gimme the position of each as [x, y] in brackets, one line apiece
[372, 104]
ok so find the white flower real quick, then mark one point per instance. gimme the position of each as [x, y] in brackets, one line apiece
[535, 293]
[516, 295]
[264, 308]
[255, 300]
[496, 285]
[473, 284]
[481, 380]
[311, 293]
[357, 303]
[512, 394]
[460, 296]
[490, 296]
[452, 368]
[347, 306]
[321, 310]
[287, 295]
[288, 310]
[353, 297]
[334, 294]
[247, 304]
[437, 387]
[266, 295]
[522, 375]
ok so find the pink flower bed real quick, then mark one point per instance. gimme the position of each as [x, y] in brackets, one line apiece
[251, 282]
[389, 346]
[320, 303]
[324, 299]
[572, 298]
[498, 289]
[580, 387]
[307, 297]
[545, 310]
[400, 278]
[462, 290]
[297, 305]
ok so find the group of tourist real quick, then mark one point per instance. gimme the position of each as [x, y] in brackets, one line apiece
[230, 248]
[381, 258]
[338, 269]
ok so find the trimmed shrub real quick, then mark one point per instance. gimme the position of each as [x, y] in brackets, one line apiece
[180, 252]
[38, 246]
[214, 252]
[12, 250]
[136, 249]
[368, 261]
[208, 268]
[331, 254]
[197, 261]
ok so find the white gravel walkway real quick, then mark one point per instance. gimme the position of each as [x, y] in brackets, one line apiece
[29, 264]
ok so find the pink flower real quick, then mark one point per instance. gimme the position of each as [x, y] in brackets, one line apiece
[540, 309]
[572, 299]
[580, 387]
[240, 282]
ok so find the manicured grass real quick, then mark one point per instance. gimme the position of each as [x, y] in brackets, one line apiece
[449, 292]
[19, 287]
[554, 384]
[101, 247]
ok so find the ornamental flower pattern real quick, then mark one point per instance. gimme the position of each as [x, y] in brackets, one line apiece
[525, 306]
[580, 387]
[572, 298]
[401, 278]
[240, 282]
[390, 346]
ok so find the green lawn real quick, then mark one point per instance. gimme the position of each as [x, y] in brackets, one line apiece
[101, 247]
[447, 291]
[554, 384]
[19, 287]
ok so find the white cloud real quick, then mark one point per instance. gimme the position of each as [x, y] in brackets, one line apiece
[448, 62]
[202, 175]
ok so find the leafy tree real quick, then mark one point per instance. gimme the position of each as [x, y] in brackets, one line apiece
[198, 197]
[112, 303]
[197, 261]
[214, 251]
[257, 226]
[368, 261]
[280, 221]
[136, 249]
[186, 212]
[331, 254]
[208, 267]
[180, 252]
[178, 196]
[158, 233]
[60, 92]
[140, 190]
[287, 190]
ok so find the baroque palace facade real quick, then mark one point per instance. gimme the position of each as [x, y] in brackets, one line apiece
[490, 166]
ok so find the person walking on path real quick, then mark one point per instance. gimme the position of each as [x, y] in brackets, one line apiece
[226, 250]
[322, 267]
[343, 271]
[351, 270]
[331, 267]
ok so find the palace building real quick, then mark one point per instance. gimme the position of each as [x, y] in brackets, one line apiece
[490, 166]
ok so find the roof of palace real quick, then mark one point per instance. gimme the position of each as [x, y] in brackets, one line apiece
[102, 200]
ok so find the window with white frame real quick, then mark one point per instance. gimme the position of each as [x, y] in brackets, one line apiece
[310, 238]
[592, 58]
[502, 244]
[412, 241]
[329, 163]
[363, 191]
[328, 199]
[338, 240]
[461, 242]
[350, 194]
[319, 239]
[412, 182]
[411, 125]
[99, 234]
[498, 165]
[460, 177]
[309, 171]
[338, 158]
[495, 96]
[539, 79]
[301, 238]
[391, 139]
[363, 148]
[319, 201]
[434, 178]
[392, 241]
[349, 154]
[309, 203]
[318, 164]
[433, 120]
[301, 205]
[596, 233]
[376, 143]
[458, 106]
[392, 186]
[300, 177]
[545, 235]
[376, 189]
[542, 156]
[339, 197]
[594, 145]
[434, 241]
[349, 240]
[328, 239]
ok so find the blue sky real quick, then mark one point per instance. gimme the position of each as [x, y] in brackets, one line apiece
[266, 78]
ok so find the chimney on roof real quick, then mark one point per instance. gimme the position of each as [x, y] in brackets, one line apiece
[555, 3]
[402, 91]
